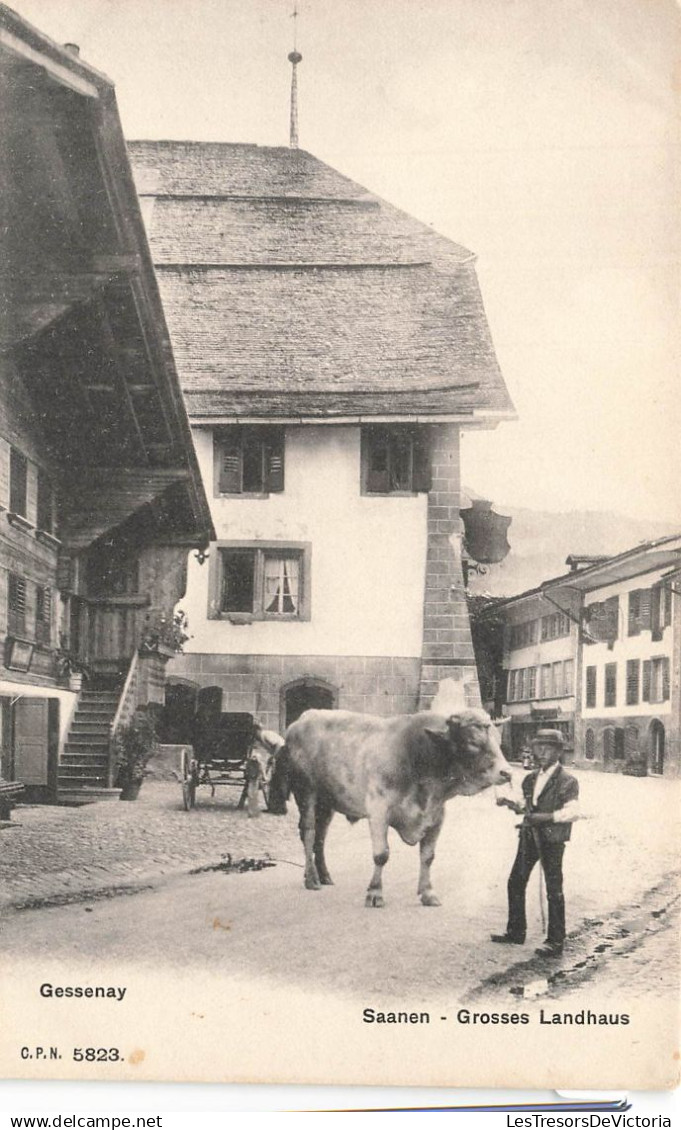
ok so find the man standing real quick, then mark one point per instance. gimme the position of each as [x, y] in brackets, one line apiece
[550, 806]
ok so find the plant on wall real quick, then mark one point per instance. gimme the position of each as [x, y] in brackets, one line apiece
[162, 630]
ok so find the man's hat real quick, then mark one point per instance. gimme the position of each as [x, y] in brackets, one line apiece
[549, 737]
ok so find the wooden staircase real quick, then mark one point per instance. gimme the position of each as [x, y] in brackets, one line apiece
[83, 774]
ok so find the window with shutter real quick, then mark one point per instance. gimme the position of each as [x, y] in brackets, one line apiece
[395, 460]
[660, 611]
[591, 687]
[659, 679]
[610, 698]
[43, 614]
[249, 460]
[618, 752]
[645, 680]
[18, 479]
[16, 605]
[634, 621]
[589, 745]
[633, 681]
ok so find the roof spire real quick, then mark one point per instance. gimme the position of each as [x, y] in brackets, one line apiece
[294, 58]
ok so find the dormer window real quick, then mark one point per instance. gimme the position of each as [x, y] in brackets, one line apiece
[249, 460]
[395, 460]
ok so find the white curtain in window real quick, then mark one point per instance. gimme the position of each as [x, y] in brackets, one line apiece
[281, 585]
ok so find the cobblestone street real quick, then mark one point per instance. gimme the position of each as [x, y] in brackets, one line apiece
[52, 855]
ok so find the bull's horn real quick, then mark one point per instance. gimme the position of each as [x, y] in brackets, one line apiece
[501, 721]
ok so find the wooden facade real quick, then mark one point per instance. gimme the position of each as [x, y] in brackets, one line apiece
[100, 493]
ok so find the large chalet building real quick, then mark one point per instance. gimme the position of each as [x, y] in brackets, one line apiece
[331, 349]
[100, 491]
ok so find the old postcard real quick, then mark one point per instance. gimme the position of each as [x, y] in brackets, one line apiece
[340, 549]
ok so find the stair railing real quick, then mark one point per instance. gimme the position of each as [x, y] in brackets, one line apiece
[129, 688]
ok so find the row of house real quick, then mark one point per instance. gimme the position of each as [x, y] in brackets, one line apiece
[283, 358]
[595, 653]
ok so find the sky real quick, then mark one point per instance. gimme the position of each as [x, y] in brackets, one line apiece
[541, 134]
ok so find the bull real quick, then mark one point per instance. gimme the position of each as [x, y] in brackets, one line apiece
[395, 772]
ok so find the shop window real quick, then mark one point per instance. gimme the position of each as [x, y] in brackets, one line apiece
[263, 582]
[249, 460]
[395, 460]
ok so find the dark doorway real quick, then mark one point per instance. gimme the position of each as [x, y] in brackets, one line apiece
[656, 747]
[307, 695]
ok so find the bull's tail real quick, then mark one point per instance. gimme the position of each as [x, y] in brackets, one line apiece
[280, 783]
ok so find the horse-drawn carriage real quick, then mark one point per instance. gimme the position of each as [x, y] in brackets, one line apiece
[228, 749]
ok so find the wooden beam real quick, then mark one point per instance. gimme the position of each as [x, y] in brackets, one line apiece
[111, 346]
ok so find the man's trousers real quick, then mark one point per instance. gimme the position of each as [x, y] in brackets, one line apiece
[530, 849]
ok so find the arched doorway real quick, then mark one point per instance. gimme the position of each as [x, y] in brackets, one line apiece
[656, 742]
[306, 694]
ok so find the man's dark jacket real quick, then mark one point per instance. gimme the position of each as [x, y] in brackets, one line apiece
[560, 788]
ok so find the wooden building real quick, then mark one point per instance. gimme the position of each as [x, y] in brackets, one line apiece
[331, 350]
[100, 491]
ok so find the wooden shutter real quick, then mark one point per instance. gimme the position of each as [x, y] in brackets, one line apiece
[376, 460]
[634, 625]
[422, 477]
[656, 626]
[228, 452]
[633, 675]
[665, 679]
[16, 605]
[274, 459]
[43, 614]
[669, 594]
[647, 669]
[645, 609]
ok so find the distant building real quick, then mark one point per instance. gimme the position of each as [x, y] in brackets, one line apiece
[597, 654]
[539, 660]
[630, 659]
[331, 349]
[100, 492]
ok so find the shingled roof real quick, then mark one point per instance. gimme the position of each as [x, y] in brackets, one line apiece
[292, 292]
